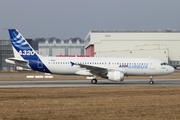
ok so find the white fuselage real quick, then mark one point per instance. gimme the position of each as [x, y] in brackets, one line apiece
[130, 66]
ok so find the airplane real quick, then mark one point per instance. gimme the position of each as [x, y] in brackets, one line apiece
[113, 69]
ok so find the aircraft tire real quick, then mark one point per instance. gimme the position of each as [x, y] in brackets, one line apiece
[151, 82]
[94, 81]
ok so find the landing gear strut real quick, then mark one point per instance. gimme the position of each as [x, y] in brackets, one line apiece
[151, 80]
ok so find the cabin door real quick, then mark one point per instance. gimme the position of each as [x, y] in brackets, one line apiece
[152, 65]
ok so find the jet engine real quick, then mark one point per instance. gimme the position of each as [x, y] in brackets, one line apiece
[115, 76]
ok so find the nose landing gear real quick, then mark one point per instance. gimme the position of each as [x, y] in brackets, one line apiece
[151, 80]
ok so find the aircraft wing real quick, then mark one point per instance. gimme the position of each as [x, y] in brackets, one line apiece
[98, 70]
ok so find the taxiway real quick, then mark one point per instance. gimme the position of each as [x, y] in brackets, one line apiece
[79, 83]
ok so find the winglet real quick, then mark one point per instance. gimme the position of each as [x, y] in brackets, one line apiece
[72, 63]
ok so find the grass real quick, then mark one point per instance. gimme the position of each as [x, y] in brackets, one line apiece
[79, 103]
[100, 103]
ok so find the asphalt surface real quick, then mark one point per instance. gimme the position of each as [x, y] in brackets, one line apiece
[79, 83]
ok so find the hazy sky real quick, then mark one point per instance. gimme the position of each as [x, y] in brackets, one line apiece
[75, 18]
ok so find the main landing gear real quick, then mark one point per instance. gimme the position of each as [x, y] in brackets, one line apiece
[94, 80]
[151, 80]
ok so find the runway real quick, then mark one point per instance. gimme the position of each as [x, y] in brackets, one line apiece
[79, 83]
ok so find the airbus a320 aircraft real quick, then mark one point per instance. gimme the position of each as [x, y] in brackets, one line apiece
[113, 69]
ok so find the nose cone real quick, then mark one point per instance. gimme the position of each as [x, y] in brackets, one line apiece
[171, 69]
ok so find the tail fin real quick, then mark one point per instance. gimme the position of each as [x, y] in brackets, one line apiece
[21, 47]
[23, 50]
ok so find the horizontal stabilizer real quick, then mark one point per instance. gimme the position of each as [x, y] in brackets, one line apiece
[18, 62]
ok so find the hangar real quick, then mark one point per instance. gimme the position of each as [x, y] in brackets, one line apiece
[164, 45]
[61, 47]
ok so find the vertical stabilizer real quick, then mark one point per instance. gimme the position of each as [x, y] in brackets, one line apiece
[21, 47]
[23, 50]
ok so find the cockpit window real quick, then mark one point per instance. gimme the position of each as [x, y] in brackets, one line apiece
[164, 63]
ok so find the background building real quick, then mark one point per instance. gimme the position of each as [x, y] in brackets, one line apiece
[5, 52]
[156, 44]
[61, 47]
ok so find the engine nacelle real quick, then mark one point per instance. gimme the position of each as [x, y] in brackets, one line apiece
[115, 76]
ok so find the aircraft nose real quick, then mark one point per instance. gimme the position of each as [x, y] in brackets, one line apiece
[171, 69]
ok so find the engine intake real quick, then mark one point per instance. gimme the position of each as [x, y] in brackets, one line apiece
[115, 76]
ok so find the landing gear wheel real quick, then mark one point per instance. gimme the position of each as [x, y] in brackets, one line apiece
[94, 81]
[151, 82]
